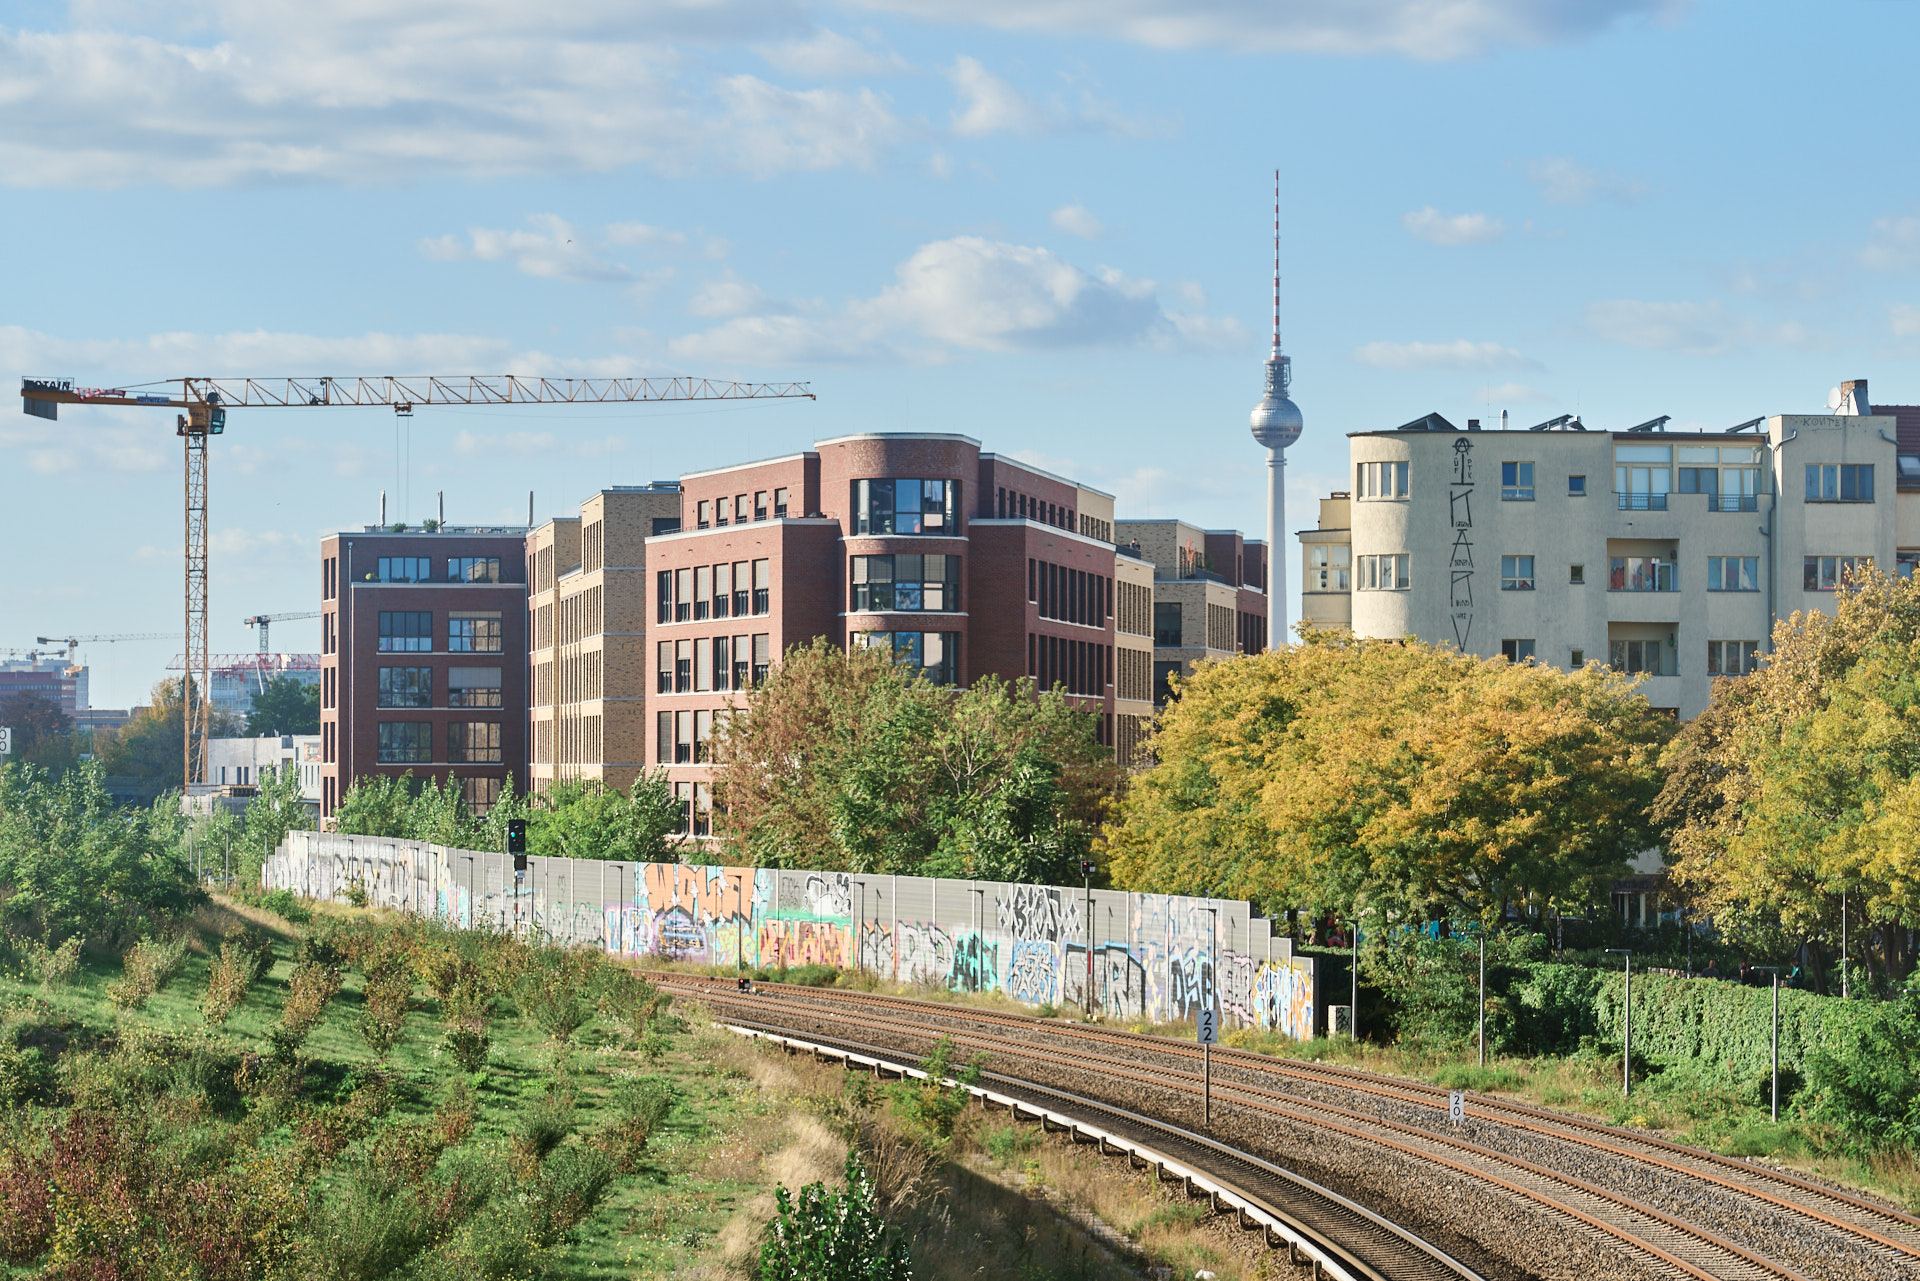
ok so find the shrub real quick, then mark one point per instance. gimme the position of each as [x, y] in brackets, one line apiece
[309, 989]
[930, 1104]
[54, 966]
[628, 1001]
[282, 903]
[555, 991]
[388, 994]
[825, 1236]
[539, 1128]
[228, 978]
[640, 1105]
[25, 1076]
[466, 993]
[149, 965]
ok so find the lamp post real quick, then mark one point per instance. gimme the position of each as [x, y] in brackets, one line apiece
[1086, 878]
[1209, 1028]
[1774, 1092]
[1353, 986]
[1483, 996]
[979, 927]
[1626, 1039]
[1843, 946]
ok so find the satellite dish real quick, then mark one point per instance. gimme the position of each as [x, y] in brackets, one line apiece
[1833, 400]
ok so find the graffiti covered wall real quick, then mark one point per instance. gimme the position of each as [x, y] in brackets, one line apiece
[1137, 958]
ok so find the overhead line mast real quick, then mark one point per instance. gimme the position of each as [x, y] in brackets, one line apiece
[206, 401]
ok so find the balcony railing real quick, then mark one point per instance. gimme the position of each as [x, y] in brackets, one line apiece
[1642, 502]
[1642, 574]
[1733, 502]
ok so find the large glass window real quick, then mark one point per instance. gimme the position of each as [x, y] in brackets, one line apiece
[906, 582]
[1381, 480]
[405, 743]
[406, 569]
[1166, 624]
[1516, 651]
[1643, 476]
[935, 655]
[1640, 656]
[683, 596]
[476, 742]
[1328, 566]
[1516, 574]
[473, 687]
[1642, 574]
[906, 506]
[477, 633]
[1733, 573]
[405, 687]
[663, 596]
[1839, 482]
[1829, 573]
[702, 591]
[1516, 482]
[762, 586]
[1386, 573]
[779, 504]
[762, 656]
[473, 569]
[406, 632]
[1733, 657]
[742, 588]
[722, 589]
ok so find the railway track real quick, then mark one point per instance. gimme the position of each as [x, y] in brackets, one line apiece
[1670, 1209]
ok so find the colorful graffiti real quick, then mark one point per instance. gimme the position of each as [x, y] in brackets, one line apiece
[1034, 974]
[976, 965]
[1283, 998]
[925, 953]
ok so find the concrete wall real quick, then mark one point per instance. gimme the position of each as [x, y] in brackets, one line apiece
[1154, 956]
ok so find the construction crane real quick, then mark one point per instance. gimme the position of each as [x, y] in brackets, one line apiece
[206, 401]
[264, 622]
[75, 642]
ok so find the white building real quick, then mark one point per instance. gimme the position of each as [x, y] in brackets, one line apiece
[243, 762]
[1658, 552]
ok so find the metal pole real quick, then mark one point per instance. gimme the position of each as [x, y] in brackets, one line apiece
[1087, 881]
[1206, 1116]
[1843, 945]
[1776, 1045]
[1353, 996]
[1213, 1003]
[1483, 997]
[1626, 1052]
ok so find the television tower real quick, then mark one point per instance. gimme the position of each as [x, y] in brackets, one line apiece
[1276, 424]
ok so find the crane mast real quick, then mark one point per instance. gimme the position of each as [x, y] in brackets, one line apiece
[206, 400]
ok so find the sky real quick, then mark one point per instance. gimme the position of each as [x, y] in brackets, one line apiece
[1045, 224]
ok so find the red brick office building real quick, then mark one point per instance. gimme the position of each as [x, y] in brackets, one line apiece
[961, 563]
[423, 664]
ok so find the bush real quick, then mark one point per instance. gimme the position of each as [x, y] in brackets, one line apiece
[149, 965]
[931, 1105]
[540, 1128]
[242, 959]
[56, 966]
[825, 1236]
[628, 1001]
[388, 995]
[309, 989]
[282, 903]
[556, 990]
[25, 1076]
[640, 1105]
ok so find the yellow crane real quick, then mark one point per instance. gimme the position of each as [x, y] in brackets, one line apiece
[206, 401]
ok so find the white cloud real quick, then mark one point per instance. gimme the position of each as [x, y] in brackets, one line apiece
[1895, 245]
[1689, 328]
[1436, 228]
[988, 104]
[1420, 29]
[201, 93]
[1562, 182]
[1077, 220]
[1461, 353]
[828, 55]
[1515, 394]
[966, 294]
[551, 248]
[728, 296]
[1904, 319]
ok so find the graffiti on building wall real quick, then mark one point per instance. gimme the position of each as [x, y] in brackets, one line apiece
[1236, 988]
[1119, 981]
[797, 943]
[1034, 972]
[1027, 913]
[1283, 998]
[976, 964]
[925, 953]
[876, 950]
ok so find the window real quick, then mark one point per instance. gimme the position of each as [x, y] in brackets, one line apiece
[742, 663]
[683, 667]
[1828, 573]
[722, 662]
[702, 731]
[762, 586]
[1577, 659]
[1640, 657]
[1733, 573]
[473, 687]
[1327, 566]
[475, 742]
[1577, 575]
[473, 569]
[1904, 561]
[759, 504]
[1386, 573]
[683, 595]
[702, 667]
[1516, 482]
[702, 591]
[406, 569]
[1166, 624]
[779, 504]
[1642, 476]
[1642, 574]
[934, 655]
[474, 633]
[742, 588]
[762, 656]
[703, 516]
[663, 596]
[683, 798]
[480, 794]
[1576, 486]
[1733, 657]
[1163, 674]
[722, 589]
[405, 687]
[406, 632]
[903, 506]
[683, 738]
[663, 668]
[1381, 480]
[906, 582]
[663, 738]
[1516, 573]
[404, 743]
[1839, 482]
[1516, 651]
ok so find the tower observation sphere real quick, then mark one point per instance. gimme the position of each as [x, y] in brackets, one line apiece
[1276, 423]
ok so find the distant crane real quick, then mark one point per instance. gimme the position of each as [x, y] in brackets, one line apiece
[264, 622]
[75, 642]
[206, 401]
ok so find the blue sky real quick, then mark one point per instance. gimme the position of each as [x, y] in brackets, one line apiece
[1044, 223]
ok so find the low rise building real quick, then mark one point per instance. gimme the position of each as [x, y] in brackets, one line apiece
[1207, 597]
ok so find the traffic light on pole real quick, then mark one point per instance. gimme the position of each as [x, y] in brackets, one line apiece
[517, 842]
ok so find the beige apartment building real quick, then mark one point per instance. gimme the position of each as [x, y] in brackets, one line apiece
[1207, 597]
[586, 625]
[1661, 553]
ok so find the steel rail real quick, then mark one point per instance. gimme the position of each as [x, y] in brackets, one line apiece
[1531, 1119]
[1111, 1068]
[1331, 1259]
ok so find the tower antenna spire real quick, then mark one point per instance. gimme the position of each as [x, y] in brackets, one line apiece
[1276, 262]
[1276, 423]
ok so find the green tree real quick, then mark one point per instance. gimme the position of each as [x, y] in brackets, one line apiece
[376, 805]
[275, 810]
[588, 819]
[1397, 775]
[150, 745]
[285, 706]
[38, 723]
[828, 1236]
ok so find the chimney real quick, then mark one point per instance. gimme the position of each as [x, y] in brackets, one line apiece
[1853, 398]
[1503, 420]
[441, 523]
[383, 507]
[1473, 424]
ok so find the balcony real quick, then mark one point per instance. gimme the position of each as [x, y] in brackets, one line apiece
[1642, 502]
[1642, 574]
[1733, 502]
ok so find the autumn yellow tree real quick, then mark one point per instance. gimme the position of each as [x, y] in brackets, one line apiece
[1799, 782]
[1403, 777]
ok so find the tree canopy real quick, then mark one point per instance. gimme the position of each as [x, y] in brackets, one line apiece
[149, 745]
[572, 819]
[848, 761]
[285, 706]
[1800, 781]
[1395, 775]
